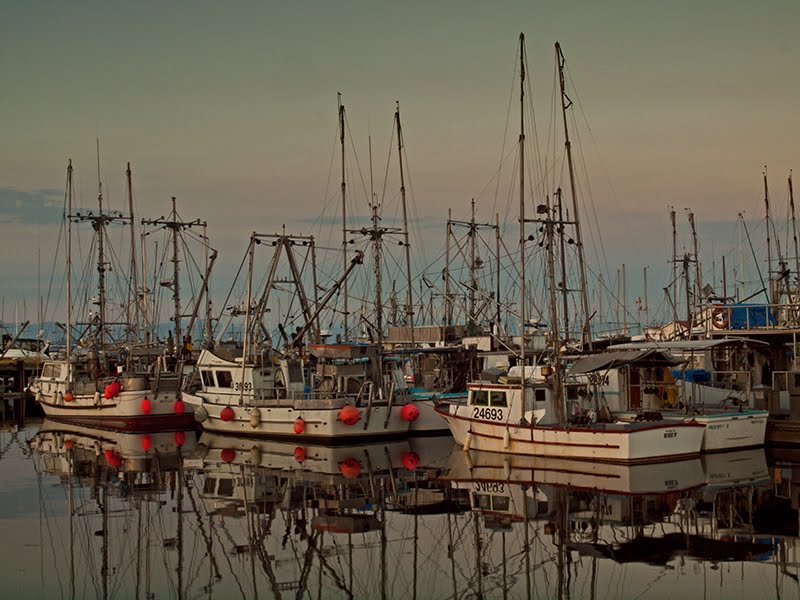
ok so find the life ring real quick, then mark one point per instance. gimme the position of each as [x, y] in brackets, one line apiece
[719, 318]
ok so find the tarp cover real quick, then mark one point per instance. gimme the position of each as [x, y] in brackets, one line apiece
[611, 360]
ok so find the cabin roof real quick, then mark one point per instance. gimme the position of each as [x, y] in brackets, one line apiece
[622, 358]
[687, 344]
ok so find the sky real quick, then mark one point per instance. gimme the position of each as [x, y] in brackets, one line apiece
[232, 108]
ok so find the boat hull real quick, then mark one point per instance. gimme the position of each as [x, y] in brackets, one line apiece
[724, 430]
[317, 423]
[615, 443]
[121, 413]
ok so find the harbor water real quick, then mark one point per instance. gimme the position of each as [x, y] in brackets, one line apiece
[92, 514]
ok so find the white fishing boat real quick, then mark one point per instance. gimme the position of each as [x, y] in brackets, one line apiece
[100, 382]
[710, 391]
[529, 418]
[344, 400]
[533, 414]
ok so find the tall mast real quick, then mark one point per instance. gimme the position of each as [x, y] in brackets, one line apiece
[69, 274]
[674, 267]
[498, 314]
[176, 292]
[473, 283]
[175, 225]
[448, 310]
[344, 215]
[554, 328]
[741, 257]
[409, 297]
[769, 245]
[563, 263]
[134, 266]
[522, 207]
[698, 281]
[209, 329]
[100, 226]
[794, 234]
[376, 244]
[565, 104]
[646, 304]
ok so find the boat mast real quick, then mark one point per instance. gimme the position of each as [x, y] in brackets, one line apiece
[769, 245]
[344, 214]
[554, 328]
[698, 277]
[448, 310]
[522, 210]
[473, 284]
[176, 294]
[674, 268]
[409, 298]
[134, 278]
[209, 328]
[740, 220]
[586, 330]
[174, 224]
[498, 308]
[100, 226]
[69, 272]
[563, 263]
[794, 234]
[377, 238]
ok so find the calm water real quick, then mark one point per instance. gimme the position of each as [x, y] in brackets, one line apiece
[92, 514]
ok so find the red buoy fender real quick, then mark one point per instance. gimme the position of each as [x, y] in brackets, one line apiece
[411, 460]
[350, 468]
[226, 414]
[349, 414]
[409, 413]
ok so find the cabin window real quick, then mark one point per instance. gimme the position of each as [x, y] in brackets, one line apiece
[208, 378]
[572, 392]
[51, 370]
[498, 398]
[295, 371]
[480, 397]
[208, 486]
[540, 394]
[488, 502]
[225, 487]
[224, 379]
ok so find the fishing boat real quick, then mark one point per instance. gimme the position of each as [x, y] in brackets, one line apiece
[346, 397]
[529, 417]
[339, 392]
[529, 412]
[103, 380]
[721, 398]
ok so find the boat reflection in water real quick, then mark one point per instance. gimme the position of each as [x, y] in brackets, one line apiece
[232, 517]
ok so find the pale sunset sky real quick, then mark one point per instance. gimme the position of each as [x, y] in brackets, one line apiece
[232, 107]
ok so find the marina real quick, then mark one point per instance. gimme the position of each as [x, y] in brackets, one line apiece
[479, 304]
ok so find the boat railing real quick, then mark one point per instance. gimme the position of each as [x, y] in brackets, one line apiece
[752, 317]
[732, 379]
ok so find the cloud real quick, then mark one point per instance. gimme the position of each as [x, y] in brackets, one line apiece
[44, 206]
